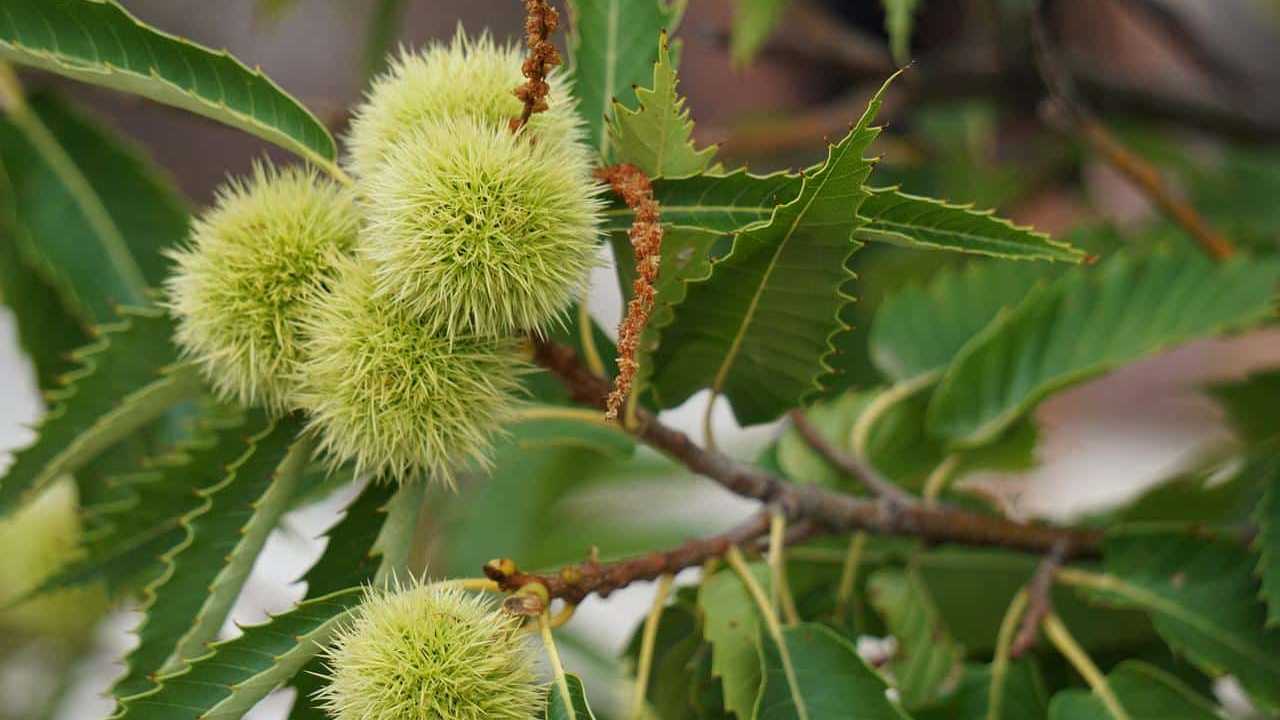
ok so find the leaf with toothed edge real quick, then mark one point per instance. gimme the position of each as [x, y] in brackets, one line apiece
[725, 203]
[759, 327]
[141, 516]
[187, 604]
[99, 42]
[235, 675]
[1088, 322]
[611, 51]
[657, 137]
[124, 381]
[1202, 597]
[350, 559]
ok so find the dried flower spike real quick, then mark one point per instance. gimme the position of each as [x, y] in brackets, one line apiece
[466, 78]
[386, 392]
[430, 651]
[477, 231]
[269, 242]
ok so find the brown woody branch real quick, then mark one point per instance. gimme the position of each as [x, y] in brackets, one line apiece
[1066, 112]
[1039, 602]
[852, 466]
[828, 510]
[540, 21]
[574, 583]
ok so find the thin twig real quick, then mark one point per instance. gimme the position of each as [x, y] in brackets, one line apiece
[829, 510]
[1039, 602]
[575, 582]
[540, 21]
[633, 187]
[878, 484]
[1066, 112]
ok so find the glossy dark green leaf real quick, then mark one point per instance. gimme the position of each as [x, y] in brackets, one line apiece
[99, 42]
[89, 212]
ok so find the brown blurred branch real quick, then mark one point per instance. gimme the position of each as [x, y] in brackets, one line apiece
[1039, 602]
[852, 466]
[1071, 117]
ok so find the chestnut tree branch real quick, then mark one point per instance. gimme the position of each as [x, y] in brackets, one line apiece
[1039, 602]
[850, 465]
[1068, 114]
[829, 510]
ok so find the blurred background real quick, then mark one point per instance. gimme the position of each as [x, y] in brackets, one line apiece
[1193, 85]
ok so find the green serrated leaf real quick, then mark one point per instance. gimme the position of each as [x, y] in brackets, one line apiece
[912, 221]
[235, 675]
[124, 382]
[717, 202]
[47, 331]
[918, 330]
[99, 42]
[899, 19]
[187, 603]
[558, 710]
[1202, 598]
[1268, 545]
[349, 560]
[928, 664]
[1090, 321]
[726, 203]
[658, 136]
[731, 624]
[141, 516]
[1144, 691]
[753, 21]
[611, 52]
[224, 536]
[827, 679]
[758, 329]
[1022, 696]
[891, 434]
